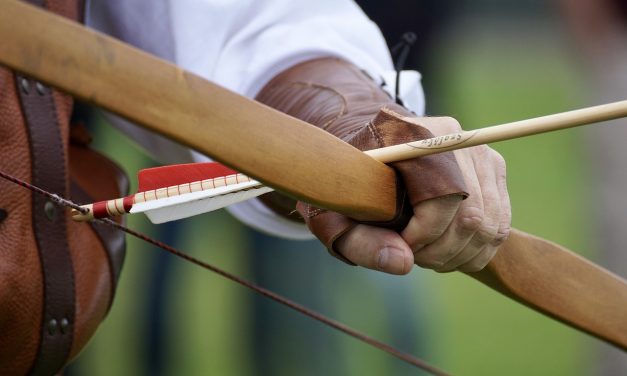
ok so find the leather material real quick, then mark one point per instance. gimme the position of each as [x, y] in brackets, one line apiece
[424, 178]
[338, 97]
[329, 226]
[96, 178]
[28, 299]
[48, 168]
[21, 287]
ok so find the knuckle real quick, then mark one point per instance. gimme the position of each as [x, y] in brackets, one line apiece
[441, 125]
[486, 233]
[451, 123]
[470, 219]
[498, 158]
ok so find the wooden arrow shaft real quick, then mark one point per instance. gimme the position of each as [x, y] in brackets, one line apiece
[501, 132]
[305, 162]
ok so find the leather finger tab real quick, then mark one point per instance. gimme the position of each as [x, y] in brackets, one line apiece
[425, 177]
[431, 176]
[326, 226]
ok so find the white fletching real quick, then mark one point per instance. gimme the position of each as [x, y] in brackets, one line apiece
[190, 204]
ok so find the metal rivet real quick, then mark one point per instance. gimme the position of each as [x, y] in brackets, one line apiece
[3, 215]
[52, 327]
[65, 324]
[51, 210]
[25, 85]
[41, 89]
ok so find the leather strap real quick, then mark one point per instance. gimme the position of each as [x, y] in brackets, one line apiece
[49, 171]
[49, 225]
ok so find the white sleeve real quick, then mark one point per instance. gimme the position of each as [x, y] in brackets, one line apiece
[257, 39]
[242, 44]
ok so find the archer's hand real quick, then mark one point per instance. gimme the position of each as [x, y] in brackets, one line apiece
[445, 234]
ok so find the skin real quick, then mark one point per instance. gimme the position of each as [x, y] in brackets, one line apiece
[445, 234]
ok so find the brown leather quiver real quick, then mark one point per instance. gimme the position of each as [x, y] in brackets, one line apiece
[57, 277]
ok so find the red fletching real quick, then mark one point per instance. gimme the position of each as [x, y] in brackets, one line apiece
[168, 176]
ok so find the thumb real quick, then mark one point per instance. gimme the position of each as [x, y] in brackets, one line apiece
[376, 248]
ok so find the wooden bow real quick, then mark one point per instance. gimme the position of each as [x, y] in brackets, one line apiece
[197, 113]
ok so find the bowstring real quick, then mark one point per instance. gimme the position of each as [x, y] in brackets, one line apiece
[414, 361]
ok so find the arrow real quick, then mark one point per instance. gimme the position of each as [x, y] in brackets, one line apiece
[174, 192]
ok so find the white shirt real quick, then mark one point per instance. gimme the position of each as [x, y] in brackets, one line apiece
[241, 45]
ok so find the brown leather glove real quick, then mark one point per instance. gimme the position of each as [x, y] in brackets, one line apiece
[341, 99]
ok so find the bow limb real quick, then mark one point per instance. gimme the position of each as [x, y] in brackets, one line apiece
[188, 109]
[559, 283]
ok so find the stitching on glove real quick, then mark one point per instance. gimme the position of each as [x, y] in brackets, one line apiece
[343, 106]
[375, 133]
[312, 213]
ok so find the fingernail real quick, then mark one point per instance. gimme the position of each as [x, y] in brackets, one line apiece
[391, 260]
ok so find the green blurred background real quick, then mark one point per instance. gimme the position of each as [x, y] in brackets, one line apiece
[486, 62]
